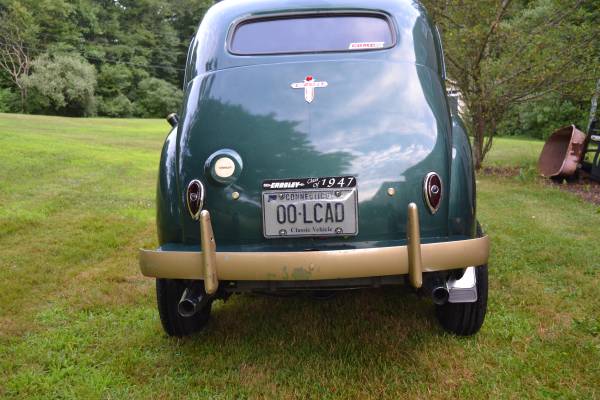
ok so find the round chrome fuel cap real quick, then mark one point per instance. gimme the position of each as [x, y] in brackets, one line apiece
[223, 166]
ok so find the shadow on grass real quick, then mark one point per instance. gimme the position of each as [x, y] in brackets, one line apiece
[355, 330]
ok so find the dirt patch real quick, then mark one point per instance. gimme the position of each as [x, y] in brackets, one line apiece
[582, 186]
[13, 327]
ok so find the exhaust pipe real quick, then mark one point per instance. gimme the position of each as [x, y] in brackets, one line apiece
[440, 294]
[463, 290]
[173, 119]
[192, 301]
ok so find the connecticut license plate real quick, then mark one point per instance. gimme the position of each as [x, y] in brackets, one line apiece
[310, 207]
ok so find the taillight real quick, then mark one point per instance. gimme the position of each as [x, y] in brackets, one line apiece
[432, 191]
[195, 198]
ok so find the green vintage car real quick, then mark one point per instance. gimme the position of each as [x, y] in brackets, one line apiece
[316, 150]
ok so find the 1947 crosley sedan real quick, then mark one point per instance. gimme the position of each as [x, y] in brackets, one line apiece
[316, 149]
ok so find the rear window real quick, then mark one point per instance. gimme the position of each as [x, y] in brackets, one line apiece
[311, 34]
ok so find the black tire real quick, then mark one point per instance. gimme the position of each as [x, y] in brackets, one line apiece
[168, 294]
[465, 319]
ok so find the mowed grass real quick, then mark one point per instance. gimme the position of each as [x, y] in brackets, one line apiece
[514, 152]
[78, 321]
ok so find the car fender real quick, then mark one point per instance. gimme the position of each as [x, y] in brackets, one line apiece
[462, 220]
[168, 212]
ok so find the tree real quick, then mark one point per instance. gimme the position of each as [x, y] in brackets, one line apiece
[185, 18]
[502, 53]
[123, 53]
[62, 84]
[18, 32]
[118, 106]
[8, 100]
[114, 80]
[150, 44]
[114, 85]
[157, 97]
[539, 118]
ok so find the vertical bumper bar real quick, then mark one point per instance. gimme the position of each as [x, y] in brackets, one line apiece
[415, 268]
[209, 254]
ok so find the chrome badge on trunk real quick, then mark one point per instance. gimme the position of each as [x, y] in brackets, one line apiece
[309, 86]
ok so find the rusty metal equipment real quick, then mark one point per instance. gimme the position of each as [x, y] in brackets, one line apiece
[562, 153]
[568, 149]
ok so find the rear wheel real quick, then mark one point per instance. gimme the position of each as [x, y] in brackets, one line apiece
[168, 294]
[465, 319]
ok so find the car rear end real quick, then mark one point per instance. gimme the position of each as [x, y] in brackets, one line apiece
[314, 152]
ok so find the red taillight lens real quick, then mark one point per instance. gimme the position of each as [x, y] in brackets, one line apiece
[432, 191]
[195, 198]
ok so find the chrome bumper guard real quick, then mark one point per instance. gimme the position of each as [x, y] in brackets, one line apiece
[412, 259]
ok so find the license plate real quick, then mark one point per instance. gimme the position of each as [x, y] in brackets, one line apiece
[324, 206]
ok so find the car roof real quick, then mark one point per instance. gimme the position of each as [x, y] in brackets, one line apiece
[258, 6]
[208, 51]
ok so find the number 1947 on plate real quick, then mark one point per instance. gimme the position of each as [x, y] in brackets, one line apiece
[319, 210]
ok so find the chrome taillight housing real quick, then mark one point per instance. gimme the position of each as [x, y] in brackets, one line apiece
[432, 191]
[195, 198]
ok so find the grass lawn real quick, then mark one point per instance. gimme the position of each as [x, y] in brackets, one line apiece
[77, 320]
[514, 153]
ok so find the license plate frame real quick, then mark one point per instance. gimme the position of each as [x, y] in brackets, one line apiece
[320, 207]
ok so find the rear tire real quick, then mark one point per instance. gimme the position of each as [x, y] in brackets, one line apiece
[168, 294]
[466, 319]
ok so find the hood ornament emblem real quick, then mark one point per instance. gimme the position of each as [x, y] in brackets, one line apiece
[309, 86]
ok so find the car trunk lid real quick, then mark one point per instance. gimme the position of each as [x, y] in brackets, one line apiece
[384, 123]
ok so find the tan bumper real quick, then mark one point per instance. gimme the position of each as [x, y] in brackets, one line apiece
[413, 259]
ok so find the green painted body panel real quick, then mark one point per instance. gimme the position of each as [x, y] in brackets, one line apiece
[462, 203]
[383, 118]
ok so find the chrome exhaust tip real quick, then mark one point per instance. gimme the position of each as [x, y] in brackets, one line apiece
[191, 302]
[440, 295]
[187, 308]
[463, 290]
[173, 120]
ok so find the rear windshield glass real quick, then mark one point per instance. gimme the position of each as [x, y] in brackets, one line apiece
[310, 34]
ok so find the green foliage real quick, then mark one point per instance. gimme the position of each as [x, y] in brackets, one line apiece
[114, 84]
[127, 41]
[58, 22]
[116, 107]
[540, 118]
[64, 84]
[156, 98]
[18, 22]
[114, 80]
[9, 101]
[504, 53]
[18, 36]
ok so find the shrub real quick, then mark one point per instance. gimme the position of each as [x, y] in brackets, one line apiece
[9, 101]
[114, 80]
[539, 119]
[118, 106]
[157, 98]
[61, 84]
